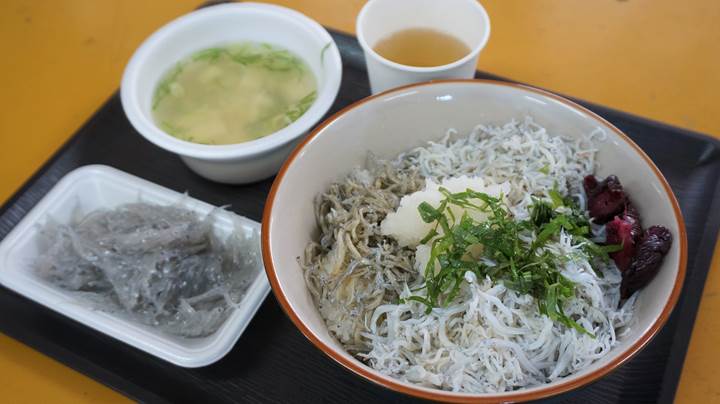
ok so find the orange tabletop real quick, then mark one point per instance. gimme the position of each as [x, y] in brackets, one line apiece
[655, 58]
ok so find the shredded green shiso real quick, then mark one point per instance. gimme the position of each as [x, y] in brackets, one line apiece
[527, 268]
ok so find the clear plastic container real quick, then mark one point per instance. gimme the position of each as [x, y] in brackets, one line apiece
[96, 186]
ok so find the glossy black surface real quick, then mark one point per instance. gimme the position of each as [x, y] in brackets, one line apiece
[272, 361]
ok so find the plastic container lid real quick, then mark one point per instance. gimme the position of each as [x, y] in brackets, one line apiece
[94, 187]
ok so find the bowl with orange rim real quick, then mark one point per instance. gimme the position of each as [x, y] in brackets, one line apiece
[397, 120]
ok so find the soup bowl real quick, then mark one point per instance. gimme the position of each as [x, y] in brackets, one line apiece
[400, 119]
[222, 25]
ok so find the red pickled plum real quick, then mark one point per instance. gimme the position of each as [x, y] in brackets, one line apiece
[650, 253]
[626, 231]
[606, 198]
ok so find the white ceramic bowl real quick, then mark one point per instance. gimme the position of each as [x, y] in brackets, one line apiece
[398, 120]
[225, 24]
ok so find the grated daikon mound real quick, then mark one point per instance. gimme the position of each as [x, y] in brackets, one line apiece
[408, 228]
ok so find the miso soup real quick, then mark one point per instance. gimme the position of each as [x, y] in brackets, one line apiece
[233, 94]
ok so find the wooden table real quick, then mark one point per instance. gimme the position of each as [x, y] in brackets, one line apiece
[656, 58]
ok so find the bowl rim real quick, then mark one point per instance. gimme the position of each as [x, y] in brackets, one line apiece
[442, 395]
[332, 67]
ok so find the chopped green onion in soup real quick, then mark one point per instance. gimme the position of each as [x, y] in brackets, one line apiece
[233, 94]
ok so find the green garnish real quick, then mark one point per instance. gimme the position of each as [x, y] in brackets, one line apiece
[265, 54]
[297, 110]
[171, 129]
[177, 132]
[268, 56]
[163, 88]
[210, 55]
[556, 198]
[322, 52]
[524, 267]
[281, 60]
[245, 55]
[541, 213]
[263, 88]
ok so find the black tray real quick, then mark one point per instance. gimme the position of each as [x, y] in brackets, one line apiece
[272, 361]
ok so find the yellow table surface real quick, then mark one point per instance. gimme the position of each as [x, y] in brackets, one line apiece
[656, 58]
